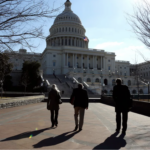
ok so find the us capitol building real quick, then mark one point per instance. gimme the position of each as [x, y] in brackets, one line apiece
[67, 54]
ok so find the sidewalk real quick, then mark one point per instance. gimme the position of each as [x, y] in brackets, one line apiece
[28, 127]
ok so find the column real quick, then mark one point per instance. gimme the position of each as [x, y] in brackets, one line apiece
[101, 62]
[67, 41]
[96, 66]
[56, 41]
[82, 61]
[93, 61]
[64, 41]
[75, 42]
[87, 61]
[73, 61]
[71, 41]
[51, 42]
[67, 60]
[64, 59]
[60, 42]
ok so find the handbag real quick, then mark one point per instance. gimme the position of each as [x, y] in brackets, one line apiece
[60, 101]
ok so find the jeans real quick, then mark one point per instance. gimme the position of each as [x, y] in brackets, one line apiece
[54, 116]
[124, 120]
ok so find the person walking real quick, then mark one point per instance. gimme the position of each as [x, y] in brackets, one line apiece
[121, 96]
[53, 104]
[79, 99]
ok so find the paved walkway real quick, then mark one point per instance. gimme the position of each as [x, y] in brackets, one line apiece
[27, 127]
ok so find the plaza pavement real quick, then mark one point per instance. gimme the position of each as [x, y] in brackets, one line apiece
[28, 127]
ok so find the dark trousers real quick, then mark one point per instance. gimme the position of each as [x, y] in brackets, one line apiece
[54, 116]
[124, 120]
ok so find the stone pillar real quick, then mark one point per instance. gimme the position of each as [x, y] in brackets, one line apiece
[64, 41]
[64, 59]
[67, 59]
[104, 65]
[101, 63]
[60, 41]
[87, 61]
[67, 41]
[75, 42]
[51, 42]
[82, 61]
[56, 41]
[71, 41]
[73, 61]
[93, 61]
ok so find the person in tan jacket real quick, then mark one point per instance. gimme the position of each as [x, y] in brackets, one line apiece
[53, 104]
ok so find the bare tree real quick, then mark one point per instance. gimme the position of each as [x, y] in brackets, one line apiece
[20, 22]
[140, 22]
[135, 72]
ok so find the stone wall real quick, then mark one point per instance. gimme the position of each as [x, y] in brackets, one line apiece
[138, 106]
[15, 102]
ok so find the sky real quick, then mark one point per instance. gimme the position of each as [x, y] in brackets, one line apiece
[106, 27]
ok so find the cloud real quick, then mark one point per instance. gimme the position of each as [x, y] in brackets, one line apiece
[132, 54]
[108, 44]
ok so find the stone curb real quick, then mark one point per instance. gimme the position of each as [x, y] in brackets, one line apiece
[21, 103]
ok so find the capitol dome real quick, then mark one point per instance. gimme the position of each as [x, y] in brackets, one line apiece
[67, 30]
[67, 15]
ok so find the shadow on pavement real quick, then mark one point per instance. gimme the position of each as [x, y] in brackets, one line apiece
[55, 140]
[25, 135]
[112, 142]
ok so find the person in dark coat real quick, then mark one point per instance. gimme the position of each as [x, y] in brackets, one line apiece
[53, 102]
[121, 96]
[79, 99]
